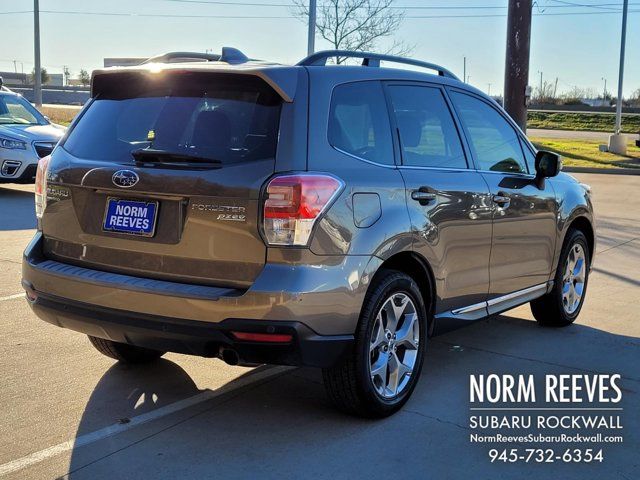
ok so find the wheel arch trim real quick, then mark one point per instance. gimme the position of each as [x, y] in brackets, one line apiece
[417, 268]
[581, 219]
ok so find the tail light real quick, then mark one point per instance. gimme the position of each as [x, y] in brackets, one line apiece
[41, 186]
[294, 203]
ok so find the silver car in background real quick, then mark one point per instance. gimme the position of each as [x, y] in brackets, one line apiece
[25, 137]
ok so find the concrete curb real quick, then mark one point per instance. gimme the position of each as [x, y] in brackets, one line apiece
[609, 171]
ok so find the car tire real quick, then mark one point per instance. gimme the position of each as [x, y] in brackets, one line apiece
[561, 306]
[353, 386]
[125, 353]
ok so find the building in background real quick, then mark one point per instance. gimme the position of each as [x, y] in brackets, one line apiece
[55, 80]
[597, 102]
[14, 79]
[123, 61]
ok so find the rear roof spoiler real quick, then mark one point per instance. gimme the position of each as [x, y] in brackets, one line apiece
[283, 79]
[229, 55]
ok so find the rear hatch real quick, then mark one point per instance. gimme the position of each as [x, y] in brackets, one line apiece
[161, 178]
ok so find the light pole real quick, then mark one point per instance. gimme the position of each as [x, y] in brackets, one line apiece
[489, 89]
[311, 38]
[617, 141]
[604, 92]
[37, 87]
[540, 91]
[464, 69]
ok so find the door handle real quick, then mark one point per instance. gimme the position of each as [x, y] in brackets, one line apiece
[423, 197]
[501, 200]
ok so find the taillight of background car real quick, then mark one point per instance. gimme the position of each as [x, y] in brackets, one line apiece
[292, 205]
[41, 186]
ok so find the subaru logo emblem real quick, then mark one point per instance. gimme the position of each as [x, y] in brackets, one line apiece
[125, 178]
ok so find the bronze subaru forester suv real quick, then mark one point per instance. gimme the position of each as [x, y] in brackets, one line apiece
[313, 214]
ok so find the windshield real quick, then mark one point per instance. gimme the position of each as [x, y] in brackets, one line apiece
[223, 117]
[15, 110]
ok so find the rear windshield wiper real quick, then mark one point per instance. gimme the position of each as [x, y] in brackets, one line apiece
[172, 159]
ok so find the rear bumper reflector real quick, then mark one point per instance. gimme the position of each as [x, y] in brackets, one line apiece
[263, 337]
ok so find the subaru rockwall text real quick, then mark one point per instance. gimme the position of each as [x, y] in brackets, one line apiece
[314, 214]
[26, 136]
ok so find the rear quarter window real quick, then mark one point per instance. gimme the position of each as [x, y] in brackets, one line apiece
[359, 122]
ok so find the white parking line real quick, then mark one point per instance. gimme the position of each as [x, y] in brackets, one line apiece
[103, 433]
[12, 297]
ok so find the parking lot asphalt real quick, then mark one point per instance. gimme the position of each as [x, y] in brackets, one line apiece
[69, 412]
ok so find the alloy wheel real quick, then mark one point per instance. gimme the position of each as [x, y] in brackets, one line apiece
[393, 346]
[573, 279]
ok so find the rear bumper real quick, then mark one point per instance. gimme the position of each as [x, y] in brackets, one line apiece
[196, 338]
[318, 304]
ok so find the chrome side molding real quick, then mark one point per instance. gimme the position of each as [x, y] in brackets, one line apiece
[498, 304]
[471, 312]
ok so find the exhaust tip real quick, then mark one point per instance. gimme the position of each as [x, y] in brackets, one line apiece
[32, 295]
[230, 356]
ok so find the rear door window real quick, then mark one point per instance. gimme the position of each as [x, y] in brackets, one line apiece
[359, 122]
[219, 117]
[494, 142]
[428, 135]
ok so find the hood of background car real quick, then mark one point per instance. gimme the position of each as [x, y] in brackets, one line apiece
[30, 133]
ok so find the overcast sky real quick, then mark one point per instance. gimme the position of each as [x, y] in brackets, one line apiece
[578, 49]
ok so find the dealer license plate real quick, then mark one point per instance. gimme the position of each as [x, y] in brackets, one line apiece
[130, 216]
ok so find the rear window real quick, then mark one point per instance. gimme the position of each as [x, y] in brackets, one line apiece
[223, 117]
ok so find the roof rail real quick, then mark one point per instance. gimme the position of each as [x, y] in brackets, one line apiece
[371, 60]
[229, 55]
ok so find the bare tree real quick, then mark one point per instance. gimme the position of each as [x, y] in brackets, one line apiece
[573, 96]
[576, 95]
[546, 95]
[357, 25]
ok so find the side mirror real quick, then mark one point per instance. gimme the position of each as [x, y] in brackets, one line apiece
[548, 164]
